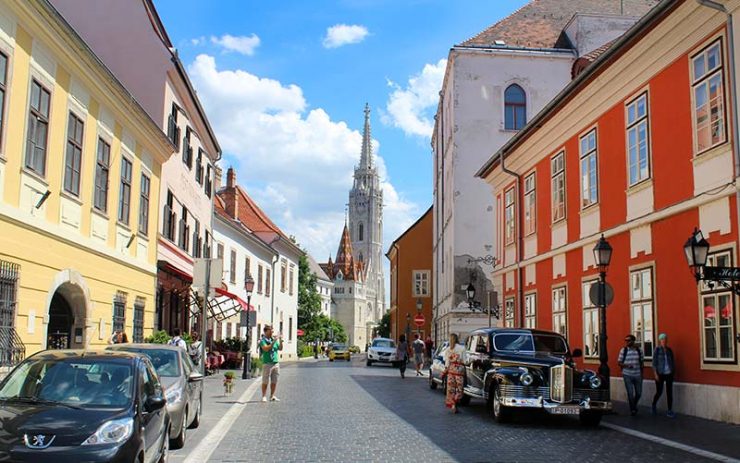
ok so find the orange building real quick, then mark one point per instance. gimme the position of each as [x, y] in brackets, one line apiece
[639, 148]
[411, 279]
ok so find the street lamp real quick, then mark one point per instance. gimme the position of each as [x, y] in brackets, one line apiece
[470, 292]
[697, 251]
[248, 287]
[602, 258]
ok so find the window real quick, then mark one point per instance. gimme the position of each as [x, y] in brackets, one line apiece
[259, 279]
[530, 204]
[170, 218]
[718, 313]
[102, 169]
[184, 234]
[421, 283]
[199, 167]
[509, 318]
[197, 240]
[283, 275]
[559, 311]
[73, 158]
[515, 108]
[3, 88]
[557, 165]
[709, 97]
[638, 140]
[144, 204]
[590, 323]
[138, 333]
[220, 251]
[589, 173]
[530, 310]
[232, 267]
[124, 198]
[187, 149]
[38, 128]
[290, 328]
[209, 182]
[291, 276]
[119, 311]
[509, 216]
[247, 268]
[641, 298]
[361, 232]
[9, 274]
[173, 131]
[267, 281]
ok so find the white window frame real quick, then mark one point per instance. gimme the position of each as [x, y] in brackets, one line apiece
[703, 81]
[588, 146]
[530, 310]
[558, 187]
[720, 258]
[509, 312]
[560, 310]
[509, 216]
[530, 204]
[642, 303]
[590, 322]
[637, 123]
[421, 283]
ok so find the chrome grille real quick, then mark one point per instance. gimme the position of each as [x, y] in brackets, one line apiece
[522, 392]
[561, 383]
[601, 395]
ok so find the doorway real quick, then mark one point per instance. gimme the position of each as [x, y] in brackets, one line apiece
[61, 321]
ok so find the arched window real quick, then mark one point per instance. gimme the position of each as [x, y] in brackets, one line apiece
[515, 108]
[360, 232]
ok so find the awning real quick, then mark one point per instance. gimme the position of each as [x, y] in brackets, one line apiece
[224, 305]
[299, 332]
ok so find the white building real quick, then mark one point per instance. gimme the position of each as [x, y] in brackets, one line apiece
[251, 244]
[324, 286]
[493, 83]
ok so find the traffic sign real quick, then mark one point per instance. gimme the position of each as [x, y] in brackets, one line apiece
[419, 319]
[595, 295]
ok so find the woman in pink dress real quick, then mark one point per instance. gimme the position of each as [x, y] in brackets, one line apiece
[455, 372]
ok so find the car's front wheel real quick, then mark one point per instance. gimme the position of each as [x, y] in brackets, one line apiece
[196, 421]
[369, 363]
[590, 418]
[179, 441]
[500, 412]
[432, 383]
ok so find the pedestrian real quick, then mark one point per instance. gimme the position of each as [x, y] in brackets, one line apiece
[664, 368]
[194, 351]
[402, 355]
[631, 360]
[316, 349]
[115, 338]
[428, 348]
[122, 338]
[418, 348]
[177, 340]
[454, 372]
[269, 347]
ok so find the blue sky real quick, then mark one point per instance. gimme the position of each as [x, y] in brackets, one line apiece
[291, 127]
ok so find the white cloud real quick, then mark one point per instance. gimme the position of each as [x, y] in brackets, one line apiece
[296, 163]
[198, 41]
[343, 34]
[241, 44]
[411, 109]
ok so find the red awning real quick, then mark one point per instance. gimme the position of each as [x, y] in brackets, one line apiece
[225, 305]
[300, 332]
[236, 298]
[169, 268]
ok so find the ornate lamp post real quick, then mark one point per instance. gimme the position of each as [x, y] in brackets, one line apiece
[602, 257]
[470, 293]
[248, 287]
[697, 252]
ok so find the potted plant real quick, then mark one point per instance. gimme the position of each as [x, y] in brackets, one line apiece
[228, 382]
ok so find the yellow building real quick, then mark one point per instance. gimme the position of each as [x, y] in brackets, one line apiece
[80, 165]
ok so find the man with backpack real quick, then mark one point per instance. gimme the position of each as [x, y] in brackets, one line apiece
[631, 360]
[177, 340]
[195, 349]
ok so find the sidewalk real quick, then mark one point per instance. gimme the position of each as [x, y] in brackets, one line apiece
[711, 436]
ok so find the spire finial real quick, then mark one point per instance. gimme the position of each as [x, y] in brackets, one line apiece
[366, 158]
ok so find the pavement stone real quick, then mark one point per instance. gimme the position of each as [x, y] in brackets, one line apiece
[346, 412]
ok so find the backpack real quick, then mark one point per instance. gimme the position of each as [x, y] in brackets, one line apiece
[194, 352]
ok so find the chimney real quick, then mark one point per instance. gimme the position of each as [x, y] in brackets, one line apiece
[230, 195]
[217, 174]
[230, 178]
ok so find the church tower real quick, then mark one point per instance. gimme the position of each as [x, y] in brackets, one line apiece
[366, 223]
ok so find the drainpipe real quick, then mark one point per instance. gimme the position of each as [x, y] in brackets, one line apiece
[733, 82]
[520, 239]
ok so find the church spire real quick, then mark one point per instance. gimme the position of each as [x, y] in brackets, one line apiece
[366, 158]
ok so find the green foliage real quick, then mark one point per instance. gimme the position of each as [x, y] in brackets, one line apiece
[354, 349]
[158, 337]
[384, 326]
[229, 375]
[230, 345]
[309, 300]
[256, 364]
[306, 350]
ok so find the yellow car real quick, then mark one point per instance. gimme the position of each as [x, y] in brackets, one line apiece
[339, 352]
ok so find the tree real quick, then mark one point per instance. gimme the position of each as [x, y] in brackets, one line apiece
[309, 300]
[384, 326]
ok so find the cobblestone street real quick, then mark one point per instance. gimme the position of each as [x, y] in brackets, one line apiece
[351, 413]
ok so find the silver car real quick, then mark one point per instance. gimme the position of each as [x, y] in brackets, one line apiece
[182, 383]
[437, 368]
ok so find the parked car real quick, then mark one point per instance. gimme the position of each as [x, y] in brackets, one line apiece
[339, 351]
[521, 368]
[382, 350]
[437, 368]
[182, 383]
[74, 405]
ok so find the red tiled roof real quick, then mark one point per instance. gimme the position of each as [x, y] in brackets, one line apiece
[248, 212]
[584, 61]
[540, 23]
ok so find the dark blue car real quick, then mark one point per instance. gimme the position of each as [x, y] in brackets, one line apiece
[73, 406]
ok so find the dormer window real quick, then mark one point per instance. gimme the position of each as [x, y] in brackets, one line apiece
[515, 108]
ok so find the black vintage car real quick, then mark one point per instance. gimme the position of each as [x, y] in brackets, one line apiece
[524, 368]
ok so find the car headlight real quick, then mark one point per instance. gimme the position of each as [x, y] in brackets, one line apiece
[526, 379]
[173, 396]
[112, 432]
[595, 382]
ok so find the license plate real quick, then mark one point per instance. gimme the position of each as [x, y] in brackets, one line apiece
[565, 410]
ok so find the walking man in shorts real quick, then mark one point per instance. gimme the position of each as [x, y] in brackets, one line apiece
[418, 347]
[269, 348]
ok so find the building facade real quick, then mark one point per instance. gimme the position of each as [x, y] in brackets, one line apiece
[80, 167]
[251, 244]
[412, 290]
[640, 148]
[495, 82]
[164, 90]
[324, 286]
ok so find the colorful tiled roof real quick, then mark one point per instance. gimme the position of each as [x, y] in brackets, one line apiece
[584, 61]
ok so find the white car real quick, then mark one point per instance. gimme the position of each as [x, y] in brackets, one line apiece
[382, 350]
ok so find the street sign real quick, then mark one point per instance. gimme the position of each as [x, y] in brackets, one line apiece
[419, 320]
[595, 295]
[199, 273]
[721, 273]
